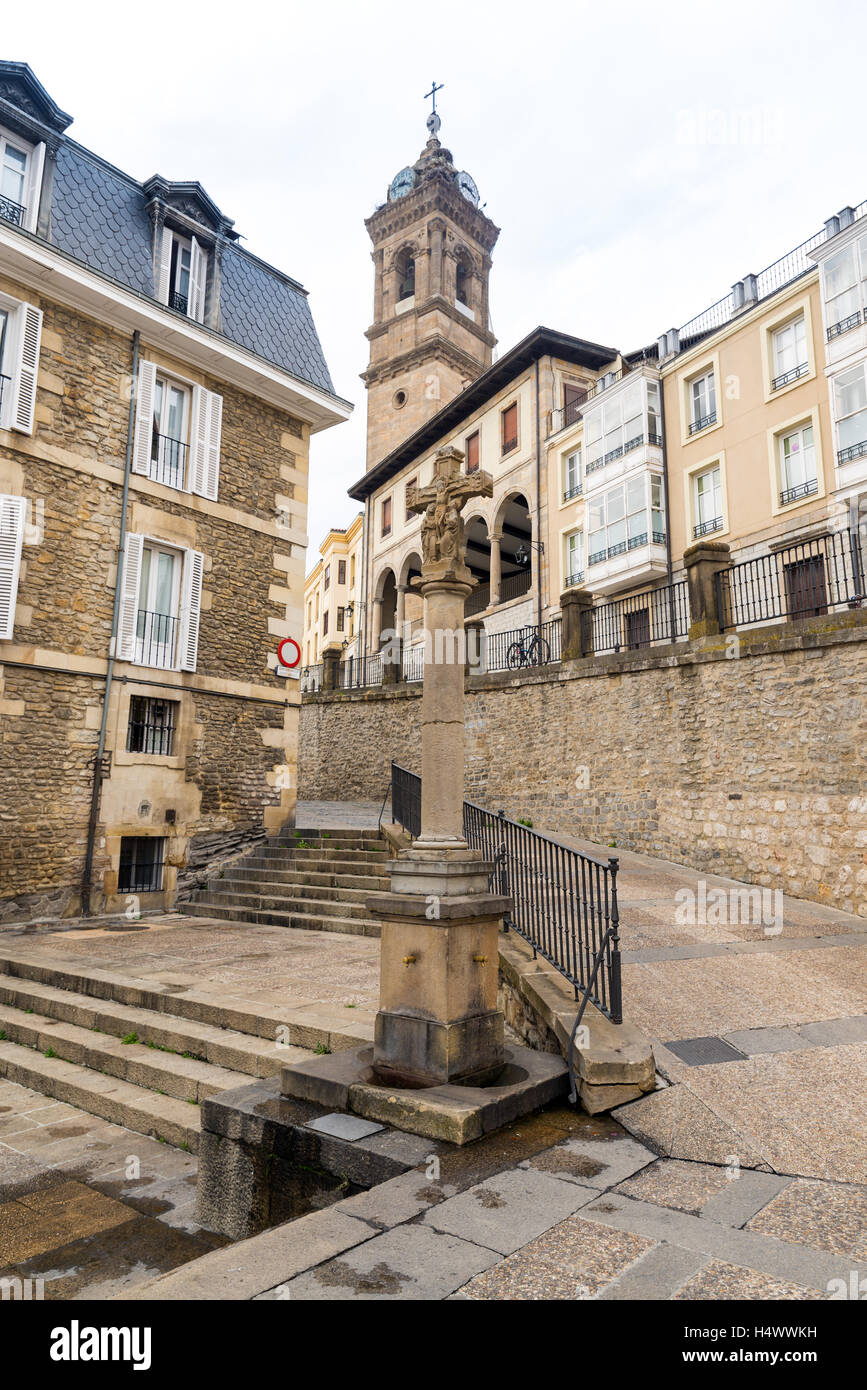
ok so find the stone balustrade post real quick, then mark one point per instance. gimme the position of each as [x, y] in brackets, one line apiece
[703, 561]
[576, 636]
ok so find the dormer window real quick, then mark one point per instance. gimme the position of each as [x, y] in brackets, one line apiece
[183, 274]
[20, 180]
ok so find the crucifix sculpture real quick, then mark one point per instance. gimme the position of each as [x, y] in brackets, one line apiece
[442, 530]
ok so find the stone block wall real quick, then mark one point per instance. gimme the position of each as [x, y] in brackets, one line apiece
[746, 759]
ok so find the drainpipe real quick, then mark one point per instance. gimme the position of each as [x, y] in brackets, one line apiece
[539, 550]
[671, 613]
[96, 789]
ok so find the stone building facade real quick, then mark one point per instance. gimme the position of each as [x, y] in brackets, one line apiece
[160, 389]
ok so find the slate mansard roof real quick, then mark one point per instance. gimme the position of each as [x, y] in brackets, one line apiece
[98, 216]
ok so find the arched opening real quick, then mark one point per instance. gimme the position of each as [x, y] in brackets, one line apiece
[479, 561]
[413, 603]
[388, 607]
[516, 550]
[405, 275]
[462, 284]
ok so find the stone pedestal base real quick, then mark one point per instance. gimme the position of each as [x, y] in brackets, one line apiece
[438, 1020]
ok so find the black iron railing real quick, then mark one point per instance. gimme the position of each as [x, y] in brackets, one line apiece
[533, 645]
[179, 301]
[12, 212]
[311, 679]
[478, 600]
[151, 727]
[361, 671]
[803, 580]
[412, 664]
[852, 451]
[796, 494]
[837, 329]
[406, 799]
[639, 620]
[702, 423]
[168, 462]
[574, 491]
[155, 637]
[564, 904]
[514, 585]
[576, 578]
[786, 378]
[704, 528]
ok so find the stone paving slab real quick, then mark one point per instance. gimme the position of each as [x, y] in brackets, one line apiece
[824, 1216]
[598, 1163]
[766, 1254]
[411, 1262]
[573, 1260]
[717, 1280]
[506, 1212]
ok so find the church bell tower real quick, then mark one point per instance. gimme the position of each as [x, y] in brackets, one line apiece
[430, 335]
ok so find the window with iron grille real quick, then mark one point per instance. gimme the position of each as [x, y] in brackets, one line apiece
[151, 727]
[141, 864]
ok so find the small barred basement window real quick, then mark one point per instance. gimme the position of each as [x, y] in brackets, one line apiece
[141, 864]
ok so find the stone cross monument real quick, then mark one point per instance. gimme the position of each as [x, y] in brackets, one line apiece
[438, 1020]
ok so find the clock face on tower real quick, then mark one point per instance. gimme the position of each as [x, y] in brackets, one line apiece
[467, 186]
[401, 183]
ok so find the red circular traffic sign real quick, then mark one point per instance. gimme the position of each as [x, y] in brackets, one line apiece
[283, 659]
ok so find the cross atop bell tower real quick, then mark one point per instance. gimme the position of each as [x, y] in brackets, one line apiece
[430, 335]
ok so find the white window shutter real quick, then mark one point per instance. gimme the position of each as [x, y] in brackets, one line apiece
[13, 513]
[198, 277]
[191, 606]
[165, 269]
[144, 417]
[129, 582]
[207, 427]
[29, 335]
[34, 186]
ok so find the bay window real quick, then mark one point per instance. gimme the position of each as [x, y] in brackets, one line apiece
[842, 278]
[626, 517]
[850, 413]
[623, 422]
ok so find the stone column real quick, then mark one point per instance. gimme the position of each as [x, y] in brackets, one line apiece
[438, 1019]
[575, 641]
[400, 615]
[496, 539]
[703, 562]
[377, 623]
[331, 668]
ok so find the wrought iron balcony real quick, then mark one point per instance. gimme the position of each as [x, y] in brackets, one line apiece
[785, 378]
[155, 636]
[12, 212]
[704, 528]
[844, 325]
[168, 460]
[695, 426]
[794, 494]
[577, 578]
[509, 445]
[852, 451]
[179, 301]
[574, 491]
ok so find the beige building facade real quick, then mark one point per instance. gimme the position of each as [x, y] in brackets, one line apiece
[332, 592]
[154, 459]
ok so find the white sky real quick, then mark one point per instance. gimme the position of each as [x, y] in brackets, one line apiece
[638, 157]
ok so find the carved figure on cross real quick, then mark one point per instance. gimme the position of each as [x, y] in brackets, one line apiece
[442, 530]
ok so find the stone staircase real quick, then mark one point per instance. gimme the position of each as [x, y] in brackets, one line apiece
[141, 1056]
[315, 879]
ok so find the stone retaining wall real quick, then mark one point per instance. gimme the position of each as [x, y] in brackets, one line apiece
[741, 756]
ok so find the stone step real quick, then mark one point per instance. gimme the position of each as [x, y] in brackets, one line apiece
[166, 1073]
[296, 863]
[349, 926]
[221, 1048]
[241, 1024]
[270, 900]
[329, 855]
[118, 1102]
[301, 878]
[269, 884]
[337, 840]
